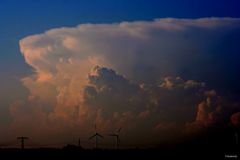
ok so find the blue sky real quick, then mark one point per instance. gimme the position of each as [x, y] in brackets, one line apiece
[27, 17]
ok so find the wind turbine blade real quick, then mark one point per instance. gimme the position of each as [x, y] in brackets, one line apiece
[99, 135]
[92, 136]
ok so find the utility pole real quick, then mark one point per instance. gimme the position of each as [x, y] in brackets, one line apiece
[22, 140]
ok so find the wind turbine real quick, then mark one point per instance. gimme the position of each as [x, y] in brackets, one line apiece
[96, 136]
[116, 135]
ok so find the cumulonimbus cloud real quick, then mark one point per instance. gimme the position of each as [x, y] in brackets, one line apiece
[149, 76]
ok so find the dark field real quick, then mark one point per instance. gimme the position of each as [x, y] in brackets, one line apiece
[217, 144]
[177, 151]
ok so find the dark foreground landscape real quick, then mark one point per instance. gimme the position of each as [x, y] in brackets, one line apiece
[177, 152]
[222, 146]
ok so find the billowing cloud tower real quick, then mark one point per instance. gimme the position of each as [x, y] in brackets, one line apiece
[156, 77]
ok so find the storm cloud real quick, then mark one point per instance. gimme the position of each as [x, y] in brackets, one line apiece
[152, 77]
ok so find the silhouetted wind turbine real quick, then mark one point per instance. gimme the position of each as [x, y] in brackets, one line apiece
[116, 135]
[96, 135]
[22, 140]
